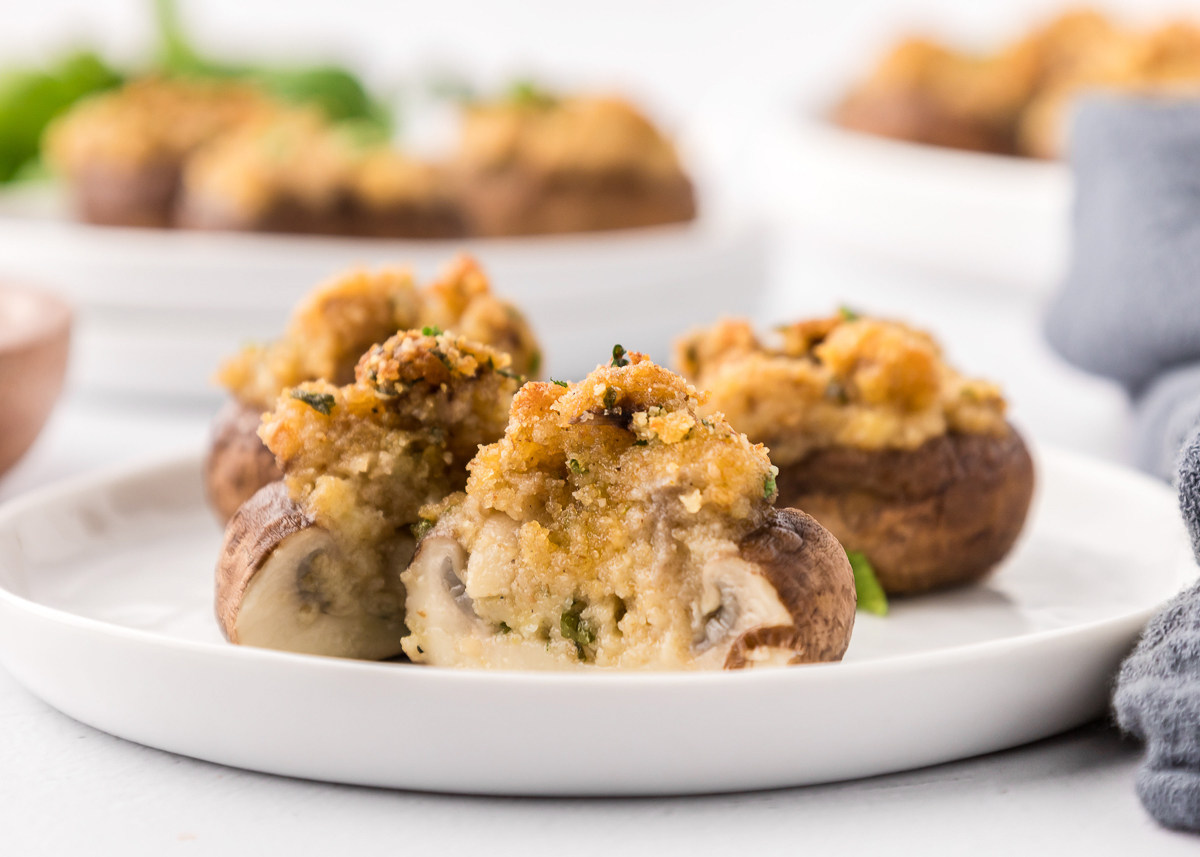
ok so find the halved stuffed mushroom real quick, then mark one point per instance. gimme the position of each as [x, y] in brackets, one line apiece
[329, 331]
[312, 564]
[877, 438]
[615, 526]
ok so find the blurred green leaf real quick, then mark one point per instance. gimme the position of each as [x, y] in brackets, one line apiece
[529, 93]
[338, 92]
[29, 99]
[871, 596]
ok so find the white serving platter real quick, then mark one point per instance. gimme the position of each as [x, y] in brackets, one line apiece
[106, 614]
[987, 219]
[158, 309]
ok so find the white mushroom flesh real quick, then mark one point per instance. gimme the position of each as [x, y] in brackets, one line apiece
[441, 615]
[285, 607]
[454, 600]
[734, 599]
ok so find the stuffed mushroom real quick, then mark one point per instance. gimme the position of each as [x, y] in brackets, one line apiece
[123, 152]
[312, 563]
[327, 334]
[877, 438]
[536, 163]
[1018, 100]
[615, 526]
[294, 171]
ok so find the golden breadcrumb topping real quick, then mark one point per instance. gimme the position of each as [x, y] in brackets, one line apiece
[334, 325]
[297, 154]
[363, 458]
[586, 134]
[588, 523]
[150, 119]
[840, 381]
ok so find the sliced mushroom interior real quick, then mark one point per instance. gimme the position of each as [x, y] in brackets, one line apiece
[735, 598]
[446, 629]
[281, 585]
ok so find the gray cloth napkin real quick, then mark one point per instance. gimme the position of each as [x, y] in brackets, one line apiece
[1164, 416]
[1130, 310]
[1158, 689]
[1130, 306]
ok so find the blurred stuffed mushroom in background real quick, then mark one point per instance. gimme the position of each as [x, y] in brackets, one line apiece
[536, 162]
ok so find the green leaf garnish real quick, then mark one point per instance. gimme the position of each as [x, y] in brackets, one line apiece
[576, 468]
[559, 383]
[618, 356]
[421, 527]
[871, 596]
[432, 330]
[508, 373]
[836, 392]
[769, 488]
[502, 628]
[320, 402]
[573, 628]
[848, 314]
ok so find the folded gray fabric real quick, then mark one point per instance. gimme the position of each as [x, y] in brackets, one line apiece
[1130, 306]
[1164, 416]
[1158, 689]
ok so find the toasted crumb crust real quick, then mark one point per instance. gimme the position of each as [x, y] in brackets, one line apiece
[332, 327]
[853, 382]
[614, 492]
[362, 459]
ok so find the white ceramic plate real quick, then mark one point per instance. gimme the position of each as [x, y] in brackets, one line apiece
[158, 309]
[995, 220]
[106, 613]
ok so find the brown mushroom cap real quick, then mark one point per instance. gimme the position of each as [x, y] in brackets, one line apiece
[270, 592]
[238, 462]
[809, 570]
[523, 201]
[939, 515]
